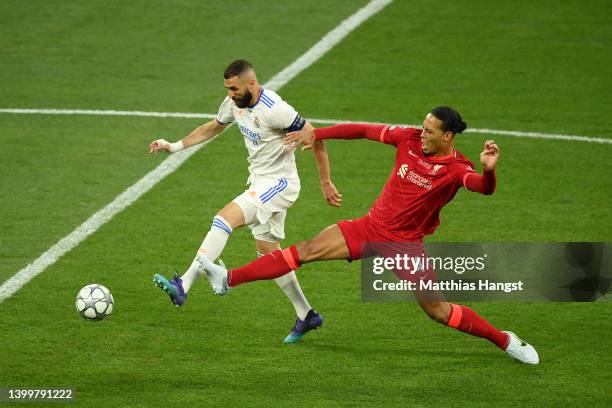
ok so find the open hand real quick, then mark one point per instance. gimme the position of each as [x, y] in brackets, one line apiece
[331, 194]
[304, 137]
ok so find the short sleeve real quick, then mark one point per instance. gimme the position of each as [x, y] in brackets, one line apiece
[394, 135]
[225, 115]
[283, 116]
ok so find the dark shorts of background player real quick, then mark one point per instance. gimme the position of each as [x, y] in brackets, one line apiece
[364, 241]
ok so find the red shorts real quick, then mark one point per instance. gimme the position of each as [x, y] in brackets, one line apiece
[361, 231]
[365, 240]
[357, 233]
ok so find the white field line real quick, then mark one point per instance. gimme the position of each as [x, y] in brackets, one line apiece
[514, 133]
[95, 112]
[133, 193]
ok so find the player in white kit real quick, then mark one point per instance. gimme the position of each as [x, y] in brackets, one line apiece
[274, 185]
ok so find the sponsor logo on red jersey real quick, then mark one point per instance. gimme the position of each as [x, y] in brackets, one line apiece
[413, 177]
[419, 180]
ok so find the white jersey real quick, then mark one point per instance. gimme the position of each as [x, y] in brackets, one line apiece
[263, 126]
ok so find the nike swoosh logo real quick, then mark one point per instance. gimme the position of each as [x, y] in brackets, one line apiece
[412, 154]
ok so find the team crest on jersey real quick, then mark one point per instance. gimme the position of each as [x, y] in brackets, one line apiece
[256, 122]
[435, 169]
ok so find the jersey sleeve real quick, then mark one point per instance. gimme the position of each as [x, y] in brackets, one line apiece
[283, 116]
[225, 115]
[466, 176]
[379, 133]
[394, 135]
[350, 131]
[462, 172]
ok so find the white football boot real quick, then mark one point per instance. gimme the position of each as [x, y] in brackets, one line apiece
[523, 352]
[217, 275]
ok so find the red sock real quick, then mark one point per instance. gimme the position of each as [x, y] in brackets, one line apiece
[276, 263]
[465, 319]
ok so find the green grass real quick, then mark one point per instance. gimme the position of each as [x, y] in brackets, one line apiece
[533, 66]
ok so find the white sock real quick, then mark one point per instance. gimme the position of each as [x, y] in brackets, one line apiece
[211, 247]
[291, 288]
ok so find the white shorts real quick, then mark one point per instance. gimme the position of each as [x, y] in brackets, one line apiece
[264, 205]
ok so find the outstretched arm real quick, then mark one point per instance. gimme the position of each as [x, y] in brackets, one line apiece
[307, 137]
[201, 134]
[485, 183]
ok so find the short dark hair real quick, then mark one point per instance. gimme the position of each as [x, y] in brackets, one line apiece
[451, 119]
[236, 68]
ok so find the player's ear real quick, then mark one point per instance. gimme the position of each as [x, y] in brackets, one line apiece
[251, 78]
[448, 136]
[251, 83]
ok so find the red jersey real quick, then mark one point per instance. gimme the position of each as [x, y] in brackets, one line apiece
[418, 187]
[409, 205]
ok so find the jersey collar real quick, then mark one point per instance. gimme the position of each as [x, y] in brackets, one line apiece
[442, 159]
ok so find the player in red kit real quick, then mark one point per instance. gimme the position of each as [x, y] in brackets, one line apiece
[428, 173]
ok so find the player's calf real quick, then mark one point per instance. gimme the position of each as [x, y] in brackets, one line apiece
[466, 320]
[438, 311]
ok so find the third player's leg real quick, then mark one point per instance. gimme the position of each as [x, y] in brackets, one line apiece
[329, 244]
[233, 214]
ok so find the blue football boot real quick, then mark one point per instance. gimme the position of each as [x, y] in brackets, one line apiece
[312, 321]
[174, 288]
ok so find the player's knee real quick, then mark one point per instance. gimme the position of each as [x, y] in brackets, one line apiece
[232, 215]
[308, 251]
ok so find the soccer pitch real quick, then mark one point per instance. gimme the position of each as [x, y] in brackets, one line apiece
[541, 67]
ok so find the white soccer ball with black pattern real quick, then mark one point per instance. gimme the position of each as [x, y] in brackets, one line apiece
[94, 302]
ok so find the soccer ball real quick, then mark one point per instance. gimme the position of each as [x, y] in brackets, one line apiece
[94, 302]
